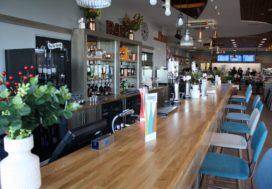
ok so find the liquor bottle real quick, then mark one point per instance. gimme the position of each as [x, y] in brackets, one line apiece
[53, 72]
[89, 90]
[48, 67]
[40, 72]
[44, 68]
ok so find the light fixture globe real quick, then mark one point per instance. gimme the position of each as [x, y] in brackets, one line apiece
[167, 12]
[95, 4]
[153, 2]
[180, 20]
[187, 40]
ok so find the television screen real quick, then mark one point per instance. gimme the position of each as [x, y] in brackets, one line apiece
[222, 58]
[235, 58]
[249, 58]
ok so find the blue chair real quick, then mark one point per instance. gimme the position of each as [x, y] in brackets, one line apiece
[232, 167]
[263, 177]
[242, 99]
[243, 128]
[242, 107]
[244, 117]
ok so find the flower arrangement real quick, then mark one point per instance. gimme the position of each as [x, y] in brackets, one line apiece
[92, 13]
[133, 24]
[25, 105]
[196, 76]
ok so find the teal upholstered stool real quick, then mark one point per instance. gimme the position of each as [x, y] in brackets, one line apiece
[232, 167]
[242, 99]
[263, 177]
[243, 128]
[244, 117]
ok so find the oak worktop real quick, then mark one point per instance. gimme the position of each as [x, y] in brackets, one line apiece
[171, 161]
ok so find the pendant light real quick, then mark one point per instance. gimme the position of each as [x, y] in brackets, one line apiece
[187, 40]
[180, 20]
[153, 2]
[167, 7]
[95, 4]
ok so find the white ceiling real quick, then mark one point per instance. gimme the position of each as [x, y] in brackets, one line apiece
[229, 21]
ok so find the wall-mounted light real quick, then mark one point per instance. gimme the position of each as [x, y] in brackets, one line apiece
[200, 36]
[153, 2]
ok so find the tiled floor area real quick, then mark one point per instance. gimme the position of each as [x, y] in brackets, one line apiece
[266, 116]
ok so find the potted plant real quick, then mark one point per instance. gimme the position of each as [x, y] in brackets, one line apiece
[23, 107]
[195, 77]
[229, 78]
[132, 25]
[91, 15]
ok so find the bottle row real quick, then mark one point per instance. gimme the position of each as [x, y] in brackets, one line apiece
[99, 71]
[100, 87]
[126, 71]
[48, 71]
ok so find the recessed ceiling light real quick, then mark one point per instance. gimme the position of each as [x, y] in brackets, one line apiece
[262, 42]
[270, 9]
[215, 7]
[232, 39]
[218, 13]
[212, 1]
[233, 42]
[264, 39]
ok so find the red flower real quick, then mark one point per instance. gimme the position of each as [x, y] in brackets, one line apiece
[31, 75]
[4, 73]
[1, 83]
[32, 67]
[25, 67]
[25, 78]
[20, 73]
[11, 78]
[7, 83]
[16, 84]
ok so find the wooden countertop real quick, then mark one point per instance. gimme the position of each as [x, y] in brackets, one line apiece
[171, 161]
[112, 98]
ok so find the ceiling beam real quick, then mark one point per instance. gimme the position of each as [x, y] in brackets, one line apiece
[189, 6]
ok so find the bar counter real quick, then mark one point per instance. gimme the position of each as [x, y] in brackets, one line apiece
[113, 98]
[171, 161]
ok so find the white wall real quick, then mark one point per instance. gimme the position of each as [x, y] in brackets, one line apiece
[64, 13]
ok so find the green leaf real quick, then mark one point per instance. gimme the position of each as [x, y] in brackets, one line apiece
[17, 100]
[24, 111]
[67, 114]
[5, 93]
[3, 122]
[16, 124]
[34, 80]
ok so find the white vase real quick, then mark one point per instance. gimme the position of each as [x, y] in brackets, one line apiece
[195, 93]
[20, 169]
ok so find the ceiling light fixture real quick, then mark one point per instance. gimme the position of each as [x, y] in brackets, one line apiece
[232, 39]
[180, 20]
[262, 42]
[215, 7]
[153, 2]
[264, 39]
[187, 40]
[218, 13]
[167, 8]
[95, 4]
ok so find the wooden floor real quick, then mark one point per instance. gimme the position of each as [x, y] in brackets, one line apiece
[266, 116]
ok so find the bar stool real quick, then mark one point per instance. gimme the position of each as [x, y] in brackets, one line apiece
[243, 107]
[263, 177]
[232, 167]
[241, 98]
[243, 128]
[244, 117]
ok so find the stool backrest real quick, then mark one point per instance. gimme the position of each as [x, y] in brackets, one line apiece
[248, 95]
[249, 88]
[255, 102]
[253, 121]
[263, 177]
[258, 141]
[260, 106]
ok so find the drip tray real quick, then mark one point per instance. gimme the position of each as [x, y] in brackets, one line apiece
[164, 111]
